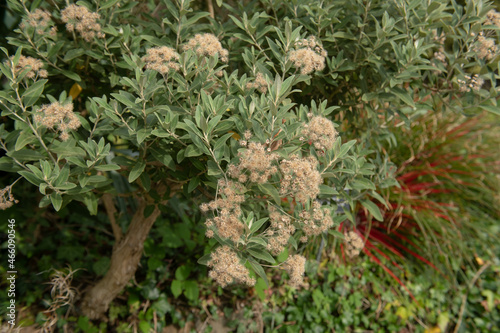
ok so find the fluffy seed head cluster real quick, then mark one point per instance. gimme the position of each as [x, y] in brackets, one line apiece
[260, 83]
[300, 178]
[227, 222]
[226, 268]
[207, 45]
[6, 198]
[60, 116]
[79, 18]
[470, 83]
[321, 132]
[485, 48]
[280, 231]
[315, 221]
[439, 40]
[35, 65]
[162, 59]
[492, 18]
[255, 164]
[295, 267]
[440, 56]
[354, 244]
[40, 20]
[308, 55]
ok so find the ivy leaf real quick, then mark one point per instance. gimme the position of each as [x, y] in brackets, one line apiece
[176, 288]
[191, 290]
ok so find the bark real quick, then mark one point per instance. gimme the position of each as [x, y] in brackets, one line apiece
[126, 256]
[125, 259]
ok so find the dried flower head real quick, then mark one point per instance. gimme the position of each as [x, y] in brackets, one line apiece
[309, 55]
[227, 205]
[256, 161]
[207, 45]
[260, 83]
[354, 244]
[35, 65]
[7, 198]
[485, 48]
[79, 18]
[40, 18]
[492, 18]
[226, 268]
[315, 221]
[60, 116]
[470, 83]
[162, 59]
[300, 178]
[321, 133]
[280, 231]
[295, 267]
[439, 39]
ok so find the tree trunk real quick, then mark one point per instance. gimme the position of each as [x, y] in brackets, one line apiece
[125, 259]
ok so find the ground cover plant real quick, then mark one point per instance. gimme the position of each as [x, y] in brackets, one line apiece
[168, 141]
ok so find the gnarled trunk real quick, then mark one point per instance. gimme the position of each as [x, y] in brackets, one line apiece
[125, 259]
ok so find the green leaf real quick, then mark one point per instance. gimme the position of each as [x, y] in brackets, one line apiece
[136, 171]
[192, 151]
[73, 53]
[213, 169]
[31, 177]
[256, 225]
[327, 190]
[336, 233]
[176, 288]
[258, 240]
[90, 201]
[403, 95]
[258, 270]
[272, 191]
[283, 256]
[373, 209]
[490, 108]
[205, 259]
[362, 184]
[25, 138]
[107, 167]
[163, 157]
[345, 148]
[32, 94]
[193, 183]
[261, 254]
[222, 140]
[73, 76]
[191, 290]
[144, 326]
[56, 200]
[182, 272]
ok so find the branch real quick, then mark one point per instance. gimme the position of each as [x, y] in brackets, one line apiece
[111, 210]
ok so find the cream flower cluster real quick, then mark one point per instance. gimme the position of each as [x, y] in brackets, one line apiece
[60, 116]
[82, 20]
[308, 55]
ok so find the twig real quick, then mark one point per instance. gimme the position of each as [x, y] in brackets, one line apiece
[111, 210]
[464, 297]
[211, 8]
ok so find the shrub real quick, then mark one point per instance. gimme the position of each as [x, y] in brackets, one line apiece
[162, 96]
